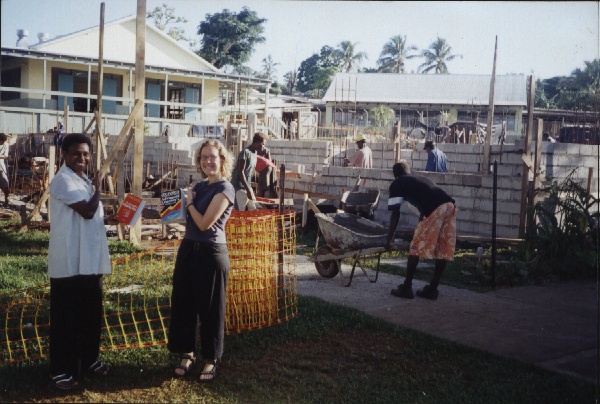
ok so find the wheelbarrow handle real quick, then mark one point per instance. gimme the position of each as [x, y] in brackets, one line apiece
[313, 206]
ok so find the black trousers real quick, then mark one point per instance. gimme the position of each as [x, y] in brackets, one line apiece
[75, 323]
[199, 284]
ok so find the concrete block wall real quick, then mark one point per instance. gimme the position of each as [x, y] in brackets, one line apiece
[471, 190]
[472, 193]
[312, 154]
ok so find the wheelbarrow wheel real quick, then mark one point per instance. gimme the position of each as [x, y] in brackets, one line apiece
[327, 269]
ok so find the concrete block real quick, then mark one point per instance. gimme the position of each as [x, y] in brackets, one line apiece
[464, 228]
[511, 207]
[463, 203]
[482, 204]
[472, 180]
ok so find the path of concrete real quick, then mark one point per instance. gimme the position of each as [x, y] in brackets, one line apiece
[553, 326]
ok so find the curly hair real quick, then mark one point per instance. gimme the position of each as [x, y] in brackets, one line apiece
[400, 168]
[75, 138]
[224, 155]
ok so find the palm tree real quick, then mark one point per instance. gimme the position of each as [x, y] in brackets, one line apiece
[382, 115]
[268, 67]
[290, 80]
[350, 60]
[391, 59]
[436, 56]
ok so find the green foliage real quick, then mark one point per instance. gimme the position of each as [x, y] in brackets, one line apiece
[350, 59]
[382, 116]
[578, 91]
[165, 15]
[21, 272]
[564, 236]
[290, 80]
[395, 51]
[269, 70]
[316, 72]
[436, 56]
[229, 38]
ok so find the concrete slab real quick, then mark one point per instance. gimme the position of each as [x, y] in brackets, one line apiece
[552, 326]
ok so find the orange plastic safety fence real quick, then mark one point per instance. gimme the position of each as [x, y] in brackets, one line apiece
[261, 292]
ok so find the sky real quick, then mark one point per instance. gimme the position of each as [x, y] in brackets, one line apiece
[546, 39]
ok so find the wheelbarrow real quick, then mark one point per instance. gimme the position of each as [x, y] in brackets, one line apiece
[362, 203]
[348, 236]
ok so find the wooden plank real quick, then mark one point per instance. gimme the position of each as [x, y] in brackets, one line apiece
[488, 240]
[312, 206]
[304, 210]
[537, 160]
[313, 194]
[137, 168]
[527, 160]
[51, 169]
[89, 125]
[485, 169]
[36, 209]
[525, 175]
[122, 135]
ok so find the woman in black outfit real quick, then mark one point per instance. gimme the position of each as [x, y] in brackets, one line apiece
[202, 265]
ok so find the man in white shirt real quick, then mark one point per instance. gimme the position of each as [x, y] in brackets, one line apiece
[364, 156]
[77, 259]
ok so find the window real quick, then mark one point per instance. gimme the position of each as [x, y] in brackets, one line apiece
[11, 78]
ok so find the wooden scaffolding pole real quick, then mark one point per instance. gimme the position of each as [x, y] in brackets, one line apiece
[525, 175]
[98, 115]
[485, 169]
[140, 91]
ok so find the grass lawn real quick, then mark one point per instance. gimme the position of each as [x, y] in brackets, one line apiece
[328, 354]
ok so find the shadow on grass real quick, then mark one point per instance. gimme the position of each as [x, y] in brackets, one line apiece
[327, 354]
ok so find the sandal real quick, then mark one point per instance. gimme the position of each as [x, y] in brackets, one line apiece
[185, 369]
[64, 382]
[98, 369]
[207, 376]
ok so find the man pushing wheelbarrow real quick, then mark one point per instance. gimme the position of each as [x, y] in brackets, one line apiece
[435, 235]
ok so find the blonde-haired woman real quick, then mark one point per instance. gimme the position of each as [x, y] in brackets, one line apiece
[202, 265]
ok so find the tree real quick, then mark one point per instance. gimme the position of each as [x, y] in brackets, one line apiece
[161, 17]
[243, 70]
[349, 57]
[436, 56]
[579, 90]
[290, 80]
[382, 115]
[395, 51]
[229, 38]
[268, 65]
[316, 72]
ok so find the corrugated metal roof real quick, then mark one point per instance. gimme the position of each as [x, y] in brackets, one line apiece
[453, 89]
